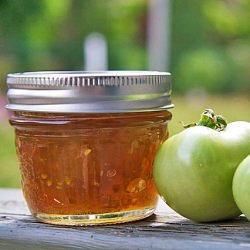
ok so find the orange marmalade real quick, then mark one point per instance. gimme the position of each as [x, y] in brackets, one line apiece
[88, 167]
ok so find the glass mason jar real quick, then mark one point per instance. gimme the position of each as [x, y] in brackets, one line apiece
[86, 142]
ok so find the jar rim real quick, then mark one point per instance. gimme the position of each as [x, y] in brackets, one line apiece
[89, 92]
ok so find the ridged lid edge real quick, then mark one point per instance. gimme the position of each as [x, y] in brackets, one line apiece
[85, 79]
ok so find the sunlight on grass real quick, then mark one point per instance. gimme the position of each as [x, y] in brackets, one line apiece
[9, 172]
[188, 109]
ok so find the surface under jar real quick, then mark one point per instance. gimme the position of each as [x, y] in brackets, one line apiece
[84, 169]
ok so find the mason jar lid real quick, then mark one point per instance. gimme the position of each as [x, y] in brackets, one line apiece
[89, 92]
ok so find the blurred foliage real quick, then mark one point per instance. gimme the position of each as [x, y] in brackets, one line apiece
[211, 45]
[210, 39]
[210, 51]
[49, 34]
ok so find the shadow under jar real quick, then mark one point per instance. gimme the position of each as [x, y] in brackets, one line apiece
[86, 142]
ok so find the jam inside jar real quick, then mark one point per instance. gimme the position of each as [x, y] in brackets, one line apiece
[89, 168]
[86, 142]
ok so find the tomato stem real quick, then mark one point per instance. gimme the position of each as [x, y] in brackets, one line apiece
[209, 119]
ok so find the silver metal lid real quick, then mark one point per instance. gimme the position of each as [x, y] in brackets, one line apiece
[89, 92]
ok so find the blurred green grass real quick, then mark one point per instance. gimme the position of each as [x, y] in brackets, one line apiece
[187, 109]
[9, 172]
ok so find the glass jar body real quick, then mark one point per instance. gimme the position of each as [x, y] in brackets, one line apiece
[86, 169]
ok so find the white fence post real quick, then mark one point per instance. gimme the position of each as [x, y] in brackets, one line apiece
[159, 35]
[95, 52]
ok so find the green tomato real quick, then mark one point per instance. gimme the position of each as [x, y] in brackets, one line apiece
[194, 169]
[241, 186]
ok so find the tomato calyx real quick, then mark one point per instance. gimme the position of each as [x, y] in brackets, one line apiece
[209, 119]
